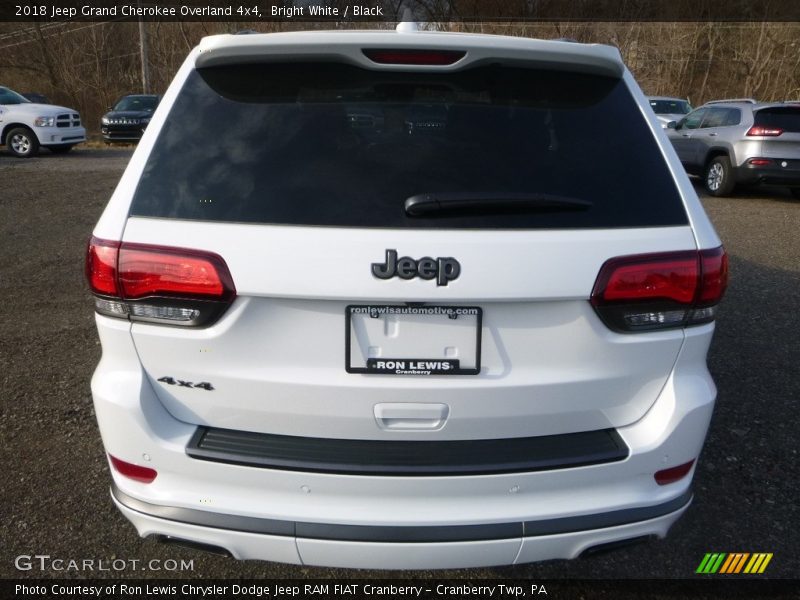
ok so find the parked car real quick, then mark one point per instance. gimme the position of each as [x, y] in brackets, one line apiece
[36, 97]
[128, 118]
[423, 304]
[669, 109]
[728, 142]
[26, 126]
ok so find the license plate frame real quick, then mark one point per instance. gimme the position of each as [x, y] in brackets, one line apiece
[442, 311]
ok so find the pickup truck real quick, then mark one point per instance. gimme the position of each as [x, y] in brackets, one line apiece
[26, 126]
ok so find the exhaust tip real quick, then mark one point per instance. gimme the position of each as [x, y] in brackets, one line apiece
[192, 545]
[615, 545]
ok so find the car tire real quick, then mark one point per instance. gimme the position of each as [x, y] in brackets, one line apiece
[22, 142]
[718, 177]
[60, 149]
[795, 192]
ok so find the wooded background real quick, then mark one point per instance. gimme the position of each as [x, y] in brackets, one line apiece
[89, 65]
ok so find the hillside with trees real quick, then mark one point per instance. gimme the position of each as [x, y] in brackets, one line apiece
[88, 65]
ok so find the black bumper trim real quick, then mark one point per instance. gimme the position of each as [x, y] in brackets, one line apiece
[407, 457]
[395, 534]
[770, 174]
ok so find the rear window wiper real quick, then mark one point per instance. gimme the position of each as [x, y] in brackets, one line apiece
[448, 203]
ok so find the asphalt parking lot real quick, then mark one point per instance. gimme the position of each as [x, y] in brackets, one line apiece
[55, 493]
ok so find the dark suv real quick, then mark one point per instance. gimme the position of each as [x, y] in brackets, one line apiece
[728, 142]
[128, 118]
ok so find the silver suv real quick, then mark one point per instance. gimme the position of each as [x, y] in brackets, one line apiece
[730, 142]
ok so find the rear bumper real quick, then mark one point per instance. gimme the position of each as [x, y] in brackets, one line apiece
[775, 173]
[356, 520]
[407, 457]
[392, 546]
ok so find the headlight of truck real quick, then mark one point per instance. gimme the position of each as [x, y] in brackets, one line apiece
[44, 121]
[105, 121]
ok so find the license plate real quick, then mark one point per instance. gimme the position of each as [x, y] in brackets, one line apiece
[383, 339]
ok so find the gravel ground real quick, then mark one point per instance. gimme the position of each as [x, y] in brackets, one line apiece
[56, 502]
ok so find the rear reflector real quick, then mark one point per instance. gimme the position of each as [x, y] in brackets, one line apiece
[758, 130]
[413, 57]
[158, 284]
[131, 471]
[673, 474]
[657, 291]
[759, 162]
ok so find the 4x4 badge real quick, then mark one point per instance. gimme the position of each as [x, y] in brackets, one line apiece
[444, 268]
[203, 385]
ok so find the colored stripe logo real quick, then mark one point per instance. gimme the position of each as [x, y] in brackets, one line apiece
[734, 563]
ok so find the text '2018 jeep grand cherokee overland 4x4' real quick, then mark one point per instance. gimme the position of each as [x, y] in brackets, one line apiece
[411, 308]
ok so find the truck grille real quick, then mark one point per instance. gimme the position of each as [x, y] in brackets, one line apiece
[68, 120]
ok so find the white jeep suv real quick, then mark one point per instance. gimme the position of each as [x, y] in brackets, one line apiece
[26, 126]
[403, 300]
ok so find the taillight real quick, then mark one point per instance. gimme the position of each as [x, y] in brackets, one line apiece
[132, 471]
[155, 271]
[158, 284]
[101, 266]
[758, 130]
[714, 271]
[413, 57]
[658, 291]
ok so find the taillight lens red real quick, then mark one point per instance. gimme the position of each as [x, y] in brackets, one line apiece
[131, 471]
[714, 269]
[158, 284]
[101, 266]
[758, 130]
[413, 57]
[673, 474]
[656, 291]
[154, 271]
[664, 277]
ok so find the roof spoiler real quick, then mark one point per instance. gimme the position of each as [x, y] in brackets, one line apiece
[349, 47]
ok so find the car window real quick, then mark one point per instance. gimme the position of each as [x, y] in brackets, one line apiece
[715, 117]
[693, 120]
[734, 117]
[8, 96]
[670, 107]
[786, 118]
[137, 103]
[337, 145]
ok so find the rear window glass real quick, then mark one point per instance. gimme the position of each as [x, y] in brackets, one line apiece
[337, 145]
[783, 117]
